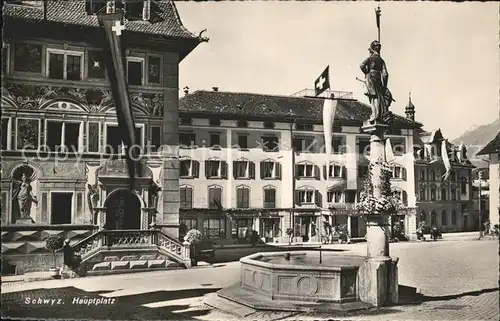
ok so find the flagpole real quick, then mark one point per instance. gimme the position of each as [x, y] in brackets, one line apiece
[377, 15]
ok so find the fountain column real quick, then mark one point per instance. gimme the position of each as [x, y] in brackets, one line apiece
[377, 276]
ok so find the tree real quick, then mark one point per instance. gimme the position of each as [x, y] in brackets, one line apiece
[54, 243]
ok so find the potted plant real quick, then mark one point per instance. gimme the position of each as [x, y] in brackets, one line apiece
[54, 243]
[194, 238]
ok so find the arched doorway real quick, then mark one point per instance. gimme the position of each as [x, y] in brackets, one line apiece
[123, 211]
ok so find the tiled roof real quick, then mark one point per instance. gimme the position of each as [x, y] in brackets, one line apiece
[286, 108]
[492, 147]
[73, 12]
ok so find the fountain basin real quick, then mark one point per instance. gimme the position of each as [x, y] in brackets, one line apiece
[300, 276]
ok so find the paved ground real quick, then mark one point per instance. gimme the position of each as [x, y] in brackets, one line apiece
[459, 281]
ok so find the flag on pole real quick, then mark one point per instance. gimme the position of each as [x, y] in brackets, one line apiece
[389, 154]
[323, 82]
[446, 159]
[115, 62]
[329, 109]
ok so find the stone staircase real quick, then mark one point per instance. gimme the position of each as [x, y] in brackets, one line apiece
[128, 251]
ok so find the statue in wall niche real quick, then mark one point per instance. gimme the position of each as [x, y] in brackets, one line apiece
[154, 195]
[22, 196]
[92, 197]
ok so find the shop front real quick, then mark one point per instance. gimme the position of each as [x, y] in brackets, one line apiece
[308, 225]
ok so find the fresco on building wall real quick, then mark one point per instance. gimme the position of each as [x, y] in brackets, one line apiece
[95, 100]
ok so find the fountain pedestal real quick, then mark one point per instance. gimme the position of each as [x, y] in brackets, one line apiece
[378, 274]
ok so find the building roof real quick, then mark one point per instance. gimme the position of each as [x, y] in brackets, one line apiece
[73, 12]
[272, 107]
[492, 147]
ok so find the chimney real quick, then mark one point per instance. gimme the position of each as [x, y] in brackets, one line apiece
[186, 90]
[215, 88]
[110, 6]
[146, 10]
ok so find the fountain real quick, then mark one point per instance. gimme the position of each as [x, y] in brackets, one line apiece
[301, 281]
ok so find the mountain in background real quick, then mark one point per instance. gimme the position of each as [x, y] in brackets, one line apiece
[476, 138]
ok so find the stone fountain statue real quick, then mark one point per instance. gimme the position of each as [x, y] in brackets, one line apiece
[23, 194]
[376, 80]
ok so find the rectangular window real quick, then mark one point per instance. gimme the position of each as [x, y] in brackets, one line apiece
[453, 217]
[306, 196]
[433, 193]
[215, 169]
[306, 171]
[191, 223]
[65, 65]
[338, 145]
[214, 122]
[187, 121]
[443, 194]
[27, 133]
[215, 198]
[154, 65]
[269, 125]
[242, 123]
[453, 194]
[303, 144]
[72, 136]
[28, 57]
[243, 198]
[135, 71]
[242, 141]
[304, 127]
[189, 168]
[95, 66]
[187, 140]
[114, 143]
[397, 172]
[93, 137]
[243, 169]
[334, 196]
[270, 143]
[214, 228]
[61, 207]
[335, 171]
[364, 146]
[54, 135]
[186, 197]
[463, 187]
[5, 133]
[269, 198]
[214, 140]
[422, 174]
[269, 170]
[422, 194]
[155, 138]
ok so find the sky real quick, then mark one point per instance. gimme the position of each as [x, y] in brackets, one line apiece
[446, 53]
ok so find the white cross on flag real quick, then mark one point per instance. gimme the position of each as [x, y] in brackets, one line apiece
[323, 82]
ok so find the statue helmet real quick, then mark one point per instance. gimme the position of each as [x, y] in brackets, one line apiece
[374, 45]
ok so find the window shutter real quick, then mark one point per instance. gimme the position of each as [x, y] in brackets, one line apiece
[318, 198]
[278, 170]
[261, 170]
[196, 168]
[224, 169]
[317, 172]
[251, 170]
[325, 172]
[344, 172]
[235, 169]
[405, 198]
[297, 197]
[207, 168]
[296, 171]
[246, 197]
[403, 173]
